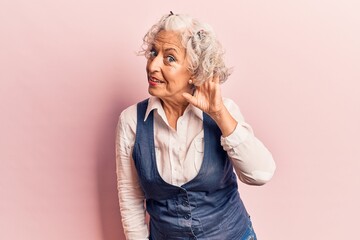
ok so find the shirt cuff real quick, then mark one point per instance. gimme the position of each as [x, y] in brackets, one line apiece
[238, 136]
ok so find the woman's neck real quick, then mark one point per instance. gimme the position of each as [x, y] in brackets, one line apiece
[173, 110]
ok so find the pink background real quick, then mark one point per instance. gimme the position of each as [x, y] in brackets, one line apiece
[68, 68]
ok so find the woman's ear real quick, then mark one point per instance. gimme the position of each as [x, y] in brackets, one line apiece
[192, 85]
[192, 80]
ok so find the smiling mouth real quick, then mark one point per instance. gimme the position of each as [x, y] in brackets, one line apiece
[155, 81]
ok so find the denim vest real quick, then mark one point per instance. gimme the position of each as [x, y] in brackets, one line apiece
[207, 207]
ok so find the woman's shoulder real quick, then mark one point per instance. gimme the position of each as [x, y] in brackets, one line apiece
[127, 122]
[129, 115]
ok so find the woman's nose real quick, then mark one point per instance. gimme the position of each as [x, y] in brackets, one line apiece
[154, 63]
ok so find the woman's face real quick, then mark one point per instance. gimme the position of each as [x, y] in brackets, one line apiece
[166, 68]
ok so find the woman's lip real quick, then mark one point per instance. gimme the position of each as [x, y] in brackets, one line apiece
[155, 80]
[151, 83]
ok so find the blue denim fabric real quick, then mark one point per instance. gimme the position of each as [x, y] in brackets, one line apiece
[208, 207]
[250, 233]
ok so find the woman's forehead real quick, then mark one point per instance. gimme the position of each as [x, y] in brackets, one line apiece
[168, 39]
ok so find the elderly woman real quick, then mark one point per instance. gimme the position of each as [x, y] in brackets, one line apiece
[181, 151]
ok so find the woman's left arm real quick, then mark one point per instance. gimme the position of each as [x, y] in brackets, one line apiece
[252, 161]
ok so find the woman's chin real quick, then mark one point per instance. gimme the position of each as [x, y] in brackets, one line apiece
[153, 92]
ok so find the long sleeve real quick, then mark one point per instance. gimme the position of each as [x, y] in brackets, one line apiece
[253, 163]
[131, 196]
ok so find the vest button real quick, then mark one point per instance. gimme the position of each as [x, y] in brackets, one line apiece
[181, 190]
[187, 216]
[185, 203]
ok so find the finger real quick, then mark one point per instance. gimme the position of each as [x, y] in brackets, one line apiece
[191, 99]
[216, 79]
[206, 85]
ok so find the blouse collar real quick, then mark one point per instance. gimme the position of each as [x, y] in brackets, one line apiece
[155, 103]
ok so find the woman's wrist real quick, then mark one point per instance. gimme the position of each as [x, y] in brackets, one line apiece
[224, 120]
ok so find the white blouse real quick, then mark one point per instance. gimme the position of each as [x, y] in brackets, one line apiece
[179, 155]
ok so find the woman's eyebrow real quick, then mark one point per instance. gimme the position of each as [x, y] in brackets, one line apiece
[170, 49]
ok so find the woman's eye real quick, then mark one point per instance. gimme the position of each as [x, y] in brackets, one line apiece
[170, 58]
[152, 53]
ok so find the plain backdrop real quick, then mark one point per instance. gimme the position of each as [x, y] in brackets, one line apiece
[68, 68]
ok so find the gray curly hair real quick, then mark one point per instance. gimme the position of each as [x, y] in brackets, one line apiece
[204, 52]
